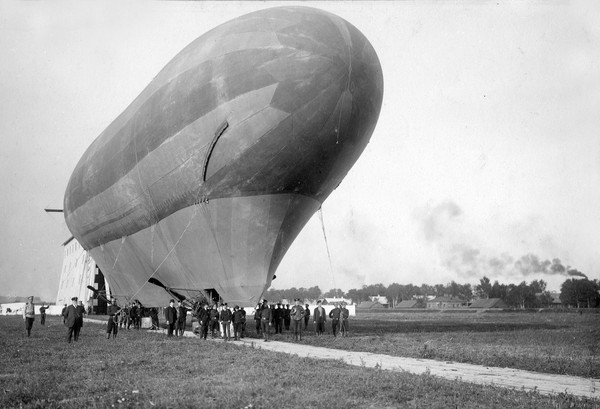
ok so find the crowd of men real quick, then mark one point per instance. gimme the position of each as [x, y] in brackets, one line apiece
[218, 319]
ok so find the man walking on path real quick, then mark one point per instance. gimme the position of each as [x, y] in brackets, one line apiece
[29, 314]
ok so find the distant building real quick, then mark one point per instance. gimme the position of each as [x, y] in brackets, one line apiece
[445, 302]
[79, 270]
[331, 301]
[407, 304]
[370, 305]
[489, 303]
[381, 299]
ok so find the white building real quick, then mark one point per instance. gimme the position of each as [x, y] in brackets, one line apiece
[79, 271]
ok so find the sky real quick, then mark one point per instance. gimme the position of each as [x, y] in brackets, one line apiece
[485, 160]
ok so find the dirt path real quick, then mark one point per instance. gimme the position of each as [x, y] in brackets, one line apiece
[505, 377]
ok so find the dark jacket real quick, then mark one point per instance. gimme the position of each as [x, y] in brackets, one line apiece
[335, 314]
[71, 316]
[319, 315]
[266, 314]
[170, 314]
[238, 316]
[204, 316]
[225, 315]
[182, 313]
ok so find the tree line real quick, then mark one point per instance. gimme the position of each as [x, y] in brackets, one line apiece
[579, 293]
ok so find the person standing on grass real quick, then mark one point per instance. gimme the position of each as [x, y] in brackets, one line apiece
[306, 316]
[204, 321]
[335, 319]
[63, 314]
[344, 314]
[214, 320]
[170, 317]
[257, 319]
[181, 317]
[287, 317]
[277, 317]
[29, 314]
[319, 318]
[296, 316]
[225, 319]
[80, 311]
[238, 316]
[266, 314]
[72, 321]
[43, 314]
[112, 325]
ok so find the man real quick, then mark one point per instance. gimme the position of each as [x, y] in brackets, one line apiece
[29, 314]
[287, 317]
[238, 316]
[296, 316]
[112, 325]
[278, 318]
[80, 311]
[225, 319]
[257, 310]
[319, 318]
[63, 314]
[181, 317]
[335, 319]
[71, 320]
[344, 314]
[170, 317]
[43, 314]
[265, 319]
[214, 320]
[306, 316]
[204, 321]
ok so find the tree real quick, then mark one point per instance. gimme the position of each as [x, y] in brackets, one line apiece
[484, 288]
[580, 293]
[393, 294]
[334, 293]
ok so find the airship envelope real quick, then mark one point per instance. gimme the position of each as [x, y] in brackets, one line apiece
[206, 179]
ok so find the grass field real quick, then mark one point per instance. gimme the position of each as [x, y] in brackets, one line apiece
[550, 342]
[142, 369]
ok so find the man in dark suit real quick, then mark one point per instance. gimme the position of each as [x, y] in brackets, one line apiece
[319, 318]
[171, 317]
[335, 319]
[71, 318]
[80, 311]
[265, 319]
[112, 325]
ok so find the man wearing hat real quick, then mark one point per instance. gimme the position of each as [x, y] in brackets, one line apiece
[238, 316]
[225, 319]
[170, 317]
[29, 314]
[72, 321]
[319, 318]
[265, 319]
[112, 325]
[335, 318]
[297, 314]
[344, 314]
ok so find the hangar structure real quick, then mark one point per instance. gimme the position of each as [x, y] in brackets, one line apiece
[79, 270]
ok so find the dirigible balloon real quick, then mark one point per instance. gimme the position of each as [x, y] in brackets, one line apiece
[206, 179]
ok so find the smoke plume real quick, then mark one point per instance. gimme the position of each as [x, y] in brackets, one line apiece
[444, 227]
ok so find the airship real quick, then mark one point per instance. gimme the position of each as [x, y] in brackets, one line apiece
[205, 180]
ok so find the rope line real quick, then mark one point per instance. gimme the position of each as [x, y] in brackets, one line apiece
[327, 247]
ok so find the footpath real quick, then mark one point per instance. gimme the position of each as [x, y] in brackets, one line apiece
[503, 377]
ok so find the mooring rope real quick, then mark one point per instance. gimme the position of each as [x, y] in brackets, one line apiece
[327, 247]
